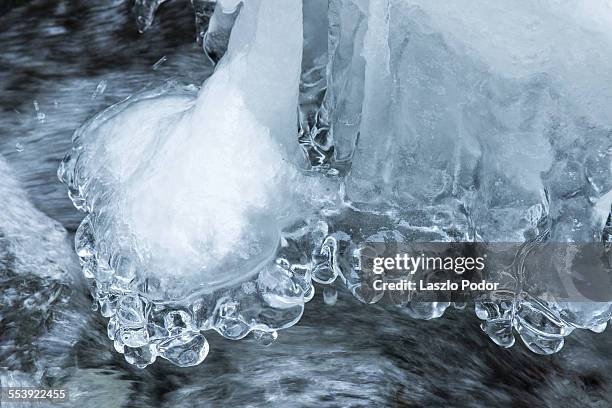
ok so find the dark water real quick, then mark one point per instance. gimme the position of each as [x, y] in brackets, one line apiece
[57, 53]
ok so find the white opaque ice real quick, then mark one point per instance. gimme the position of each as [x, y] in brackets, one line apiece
[263, 60]
[228, 6]
[570, 40]
[206, 182]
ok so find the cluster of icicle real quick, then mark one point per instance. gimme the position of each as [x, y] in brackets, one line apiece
[324, 127]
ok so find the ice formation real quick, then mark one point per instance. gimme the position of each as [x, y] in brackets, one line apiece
[467, 121]
[41, 311]
[31, 242]
[195, 194]
[477, 121]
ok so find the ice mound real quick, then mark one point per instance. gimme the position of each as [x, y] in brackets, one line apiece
[195, 199]
[199, 182]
